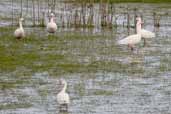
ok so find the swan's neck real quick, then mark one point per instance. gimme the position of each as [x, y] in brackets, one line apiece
[51, 19]
[20, 24]
[64, 88]
[138, 27]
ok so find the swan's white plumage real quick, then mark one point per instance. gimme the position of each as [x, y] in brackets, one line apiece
[19, 32]
[133, 39]
[63, 97]
[147, 34]
[51, 26]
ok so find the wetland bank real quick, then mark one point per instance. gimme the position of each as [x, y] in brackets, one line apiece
[103, 77]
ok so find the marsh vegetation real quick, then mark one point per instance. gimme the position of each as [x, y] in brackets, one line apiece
[103, 77]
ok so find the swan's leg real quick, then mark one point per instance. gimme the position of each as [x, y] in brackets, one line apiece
[18, 38]
[145, 42]
[63, 108]
[131, 46]
[60, 108]
[66, 107]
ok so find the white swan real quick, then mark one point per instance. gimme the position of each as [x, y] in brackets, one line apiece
[133, 39]
[51, 26]
[19, 32]
[63, 97]
[145, 34]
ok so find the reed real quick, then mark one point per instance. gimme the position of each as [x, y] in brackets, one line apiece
[122, 1]
[78, 13]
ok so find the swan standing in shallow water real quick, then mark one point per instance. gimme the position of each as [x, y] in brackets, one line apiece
[63, 97]
[133, 39]
[51, 26]
[19, 32]
[145, 34]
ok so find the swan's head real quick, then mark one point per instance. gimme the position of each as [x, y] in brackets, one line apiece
[52, 15]
[139, 21]
[21, 19]
[62, 82]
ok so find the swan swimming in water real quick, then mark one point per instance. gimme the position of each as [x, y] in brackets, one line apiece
[133, 39]
[51, 26]
[19, 32]
[63, 97]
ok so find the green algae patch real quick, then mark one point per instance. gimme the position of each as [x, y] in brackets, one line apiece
[103, 92]
[14, 106]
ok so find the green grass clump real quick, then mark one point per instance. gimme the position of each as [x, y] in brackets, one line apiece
[103, 92]
[165, 64]
[5, 29]
[14, 106]
[7, 85]
[80, 88]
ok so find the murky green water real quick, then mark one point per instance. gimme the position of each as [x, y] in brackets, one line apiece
[103, 78]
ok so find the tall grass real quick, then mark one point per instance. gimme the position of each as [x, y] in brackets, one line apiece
[81, 13]
[125, 1]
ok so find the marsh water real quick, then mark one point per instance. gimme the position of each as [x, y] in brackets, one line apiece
[102, 77]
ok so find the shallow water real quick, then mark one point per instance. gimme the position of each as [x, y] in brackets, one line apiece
[103, 78]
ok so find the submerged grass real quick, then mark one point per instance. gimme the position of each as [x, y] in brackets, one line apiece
[103, 92]
[165, 65]
[60, 54]
[14, 106]
[7, 85]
